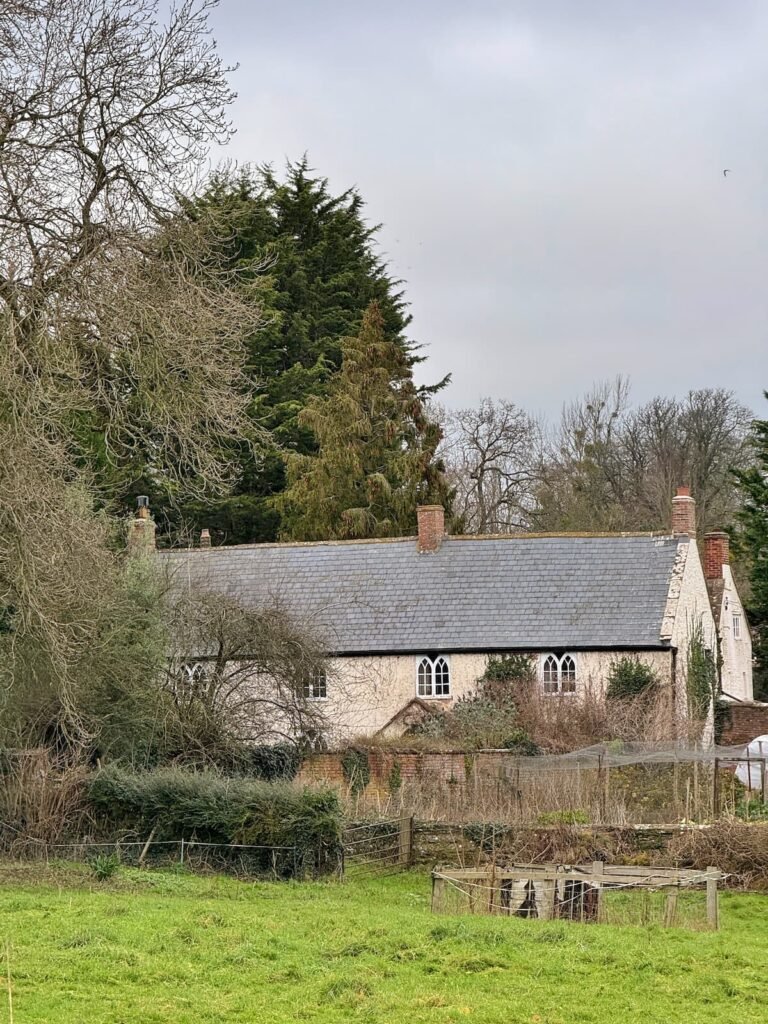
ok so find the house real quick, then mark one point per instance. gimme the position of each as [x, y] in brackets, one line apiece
[411, 622]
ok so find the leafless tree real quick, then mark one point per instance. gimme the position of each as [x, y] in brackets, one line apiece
[493, 462]
[110, 304]
[119, 338]
[242, 675]
[615, 468]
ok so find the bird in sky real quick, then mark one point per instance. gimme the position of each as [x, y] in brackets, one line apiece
[725, 172]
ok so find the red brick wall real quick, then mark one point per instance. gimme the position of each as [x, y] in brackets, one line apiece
[445, 766]
[747, 722]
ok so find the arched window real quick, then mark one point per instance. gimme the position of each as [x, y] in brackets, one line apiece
[558, 674]
[442, 678]
[550, 673]
[316, 684]
[194, 673]
[433, 677]
[567, 674]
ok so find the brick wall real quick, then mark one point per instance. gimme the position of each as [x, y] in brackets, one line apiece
[747, 722]
[445, 766]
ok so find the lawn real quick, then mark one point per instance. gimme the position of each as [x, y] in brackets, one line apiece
[163, 947]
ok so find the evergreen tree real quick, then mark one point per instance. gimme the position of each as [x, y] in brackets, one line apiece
[375, 459]
[752, 541]
[311, 264]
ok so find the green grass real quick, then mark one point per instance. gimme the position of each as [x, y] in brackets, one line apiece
[163, 947]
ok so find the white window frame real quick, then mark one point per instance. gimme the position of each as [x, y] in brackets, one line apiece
[566, 670]
[194, 671]
[427, 671]
[736, 625]
[316, 681]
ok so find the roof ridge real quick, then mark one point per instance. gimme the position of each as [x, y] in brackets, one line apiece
[395, 540]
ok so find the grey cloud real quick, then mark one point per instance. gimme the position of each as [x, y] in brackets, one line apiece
[549, 176]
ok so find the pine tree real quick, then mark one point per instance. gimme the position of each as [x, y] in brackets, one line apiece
[752, 541]
[313, 269]
[375, 459]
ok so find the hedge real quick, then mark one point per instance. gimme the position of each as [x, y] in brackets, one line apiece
[298, 830]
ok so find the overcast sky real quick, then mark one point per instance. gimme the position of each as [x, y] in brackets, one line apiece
[549, 176]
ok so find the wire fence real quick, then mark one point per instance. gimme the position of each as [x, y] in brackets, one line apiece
[242, 860]
[606, 784]
[378, 847]
[603, 894]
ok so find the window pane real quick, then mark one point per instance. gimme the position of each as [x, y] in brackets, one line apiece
[567, 674]
[320, 683]
[736, 627]
[424, 688]
[442, 678]
[550, 674]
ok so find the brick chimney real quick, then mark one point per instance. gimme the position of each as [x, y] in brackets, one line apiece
[684, 512]
[205, 538]
[141, 530]
[431, 520]
[716, 554]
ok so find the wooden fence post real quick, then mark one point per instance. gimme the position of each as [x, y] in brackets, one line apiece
[405, 844]
[597, 871]
[438, 888]
[713, 918]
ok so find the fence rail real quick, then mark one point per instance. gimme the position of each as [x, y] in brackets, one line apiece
[584, 892]
[380, 845]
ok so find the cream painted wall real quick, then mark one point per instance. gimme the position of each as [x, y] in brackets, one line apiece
[736, 653]
[365, 693]
[691, 606]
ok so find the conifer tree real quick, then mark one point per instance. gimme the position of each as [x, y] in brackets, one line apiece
[752, 541]
[375, 459]
[313, 270]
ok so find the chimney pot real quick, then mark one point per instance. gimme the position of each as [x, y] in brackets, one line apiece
[431, 520]
[205, 538]
[684, 512]
[716, 554]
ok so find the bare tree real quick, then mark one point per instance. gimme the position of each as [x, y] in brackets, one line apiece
[493, 463]
[109, 304]
[119, 338]
[584, 482]
[615, 468]
[241, 675]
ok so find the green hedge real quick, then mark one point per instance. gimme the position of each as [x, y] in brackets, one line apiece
[298, 830]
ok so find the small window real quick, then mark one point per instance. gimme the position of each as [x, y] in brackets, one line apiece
[194, 673]
[737, 627]
[433, 677]
[558, 674]
[316, 686]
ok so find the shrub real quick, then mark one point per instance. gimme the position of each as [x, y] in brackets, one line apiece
[629, 678]
[356, 769]
[701, 680]
[737, 847]
[304, 826]
[521, 743]
[104, 865]
[395, 780]
[280, 761]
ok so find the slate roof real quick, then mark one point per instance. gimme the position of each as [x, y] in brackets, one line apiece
[474, 594]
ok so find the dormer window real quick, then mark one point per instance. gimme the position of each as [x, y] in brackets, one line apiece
[558, 673]
[433, 677]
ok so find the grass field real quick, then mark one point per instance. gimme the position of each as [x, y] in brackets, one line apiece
[162, 947]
